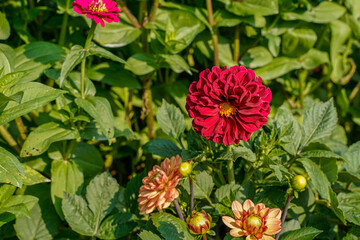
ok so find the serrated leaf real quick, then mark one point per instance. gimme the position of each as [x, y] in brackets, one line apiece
[77, 214]
[32, 176]
[162, 147]
[171, 227]
[223, 193]
[352, 158]
[73, 58]
[320, 154]
[132, 192]
[349, 203]
[101, 194]
[65, 177]
[99, 108]
[317, 177]
[11, 170]
[88, 158]
[170, 120]
[203, 185]
[236, 152]
[116, 226]
[147, 235]
[305, 233]
[33, 228]
[43, 136]
[319, 121]
[35, 96]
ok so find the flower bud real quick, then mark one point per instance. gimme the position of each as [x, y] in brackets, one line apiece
[298, 183]
[185, 168]
[199, 223]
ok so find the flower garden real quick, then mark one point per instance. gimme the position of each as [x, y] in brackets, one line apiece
[180, 119]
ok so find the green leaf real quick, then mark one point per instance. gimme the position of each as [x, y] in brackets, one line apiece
[313, 58]
[7, 57]
[252, 7]
[320, 154]
[352, 158]
[171, 227]
[170, 120]
[73, 58]
[117, 34]
[257, 57]
[323, 13]
[101, 194]
[319, 121]
[141, 63]
[6, 191]
[147, 235]
[10, 79]
[35, 96]
[177, 28]
[350, 205]
[77, 214]
[35, 57]
[99, 108]
[317, 177]
[113, 75]
[116, 226]
[296, 42]
[162, 147]
[34, 227]
[278, 67]
[11, 170]
[236, 152]
[224, 193]
[101, 52]
[88, 158]
[43, 136]
[203, 185]
[340, 31]
[4, 27]
[32, 176]
[132, 191]
[273, 44]
[176, 63]
[65, 177]
[305, 233]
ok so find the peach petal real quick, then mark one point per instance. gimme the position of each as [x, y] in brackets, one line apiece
[275, 213]
[272, 229]
[229, 221]
[258, 208]
[273, 221]
[248, 204]
[237, 209]
[264, 212]
[265, 237]
[251, 237]
[236, 232]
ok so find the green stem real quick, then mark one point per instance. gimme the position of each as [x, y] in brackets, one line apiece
[64, 24]
[302, 82]
[221, 176]
[127, 12]
[86, 48]
[236, 43]
[20, 126]
[231, 175]
[9, 139]
[248, 175]
[215, 39]
[153, 10]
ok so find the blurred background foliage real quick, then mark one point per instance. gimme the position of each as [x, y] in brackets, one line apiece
[306, 51]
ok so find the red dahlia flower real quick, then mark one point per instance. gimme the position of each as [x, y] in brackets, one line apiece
[98, 10]
[228, 104]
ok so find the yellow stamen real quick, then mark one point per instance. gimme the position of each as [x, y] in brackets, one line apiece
[227, 109]
[97, 6]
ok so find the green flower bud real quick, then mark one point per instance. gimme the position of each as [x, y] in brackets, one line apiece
[185, 168]
[298, 183]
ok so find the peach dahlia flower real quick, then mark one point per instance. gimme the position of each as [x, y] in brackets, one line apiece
[159, 189]
[255, 222]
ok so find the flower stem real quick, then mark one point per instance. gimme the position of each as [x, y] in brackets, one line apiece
[191, 196]
[86, 48]
[64, 24]
[231, 175]
[302, 79]
[214, 35]
[220, 174]
[153, 10]
[204, 236]
[284, 214]
[178, 210]
[20, 126]
[236, 43]
[129, 14]
[9, 139]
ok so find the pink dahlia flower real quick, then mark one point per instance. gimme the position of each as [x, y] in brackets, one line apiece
[98, 10]
[228, 104]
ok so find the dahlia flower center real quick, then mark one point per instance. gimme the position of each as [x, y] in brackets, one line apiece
[253, 222]
[97, 6]
[227, 109]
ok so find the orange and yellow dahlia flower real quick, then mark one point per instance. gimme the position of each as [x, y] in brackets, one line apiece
[254, 221]
[159, 189]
